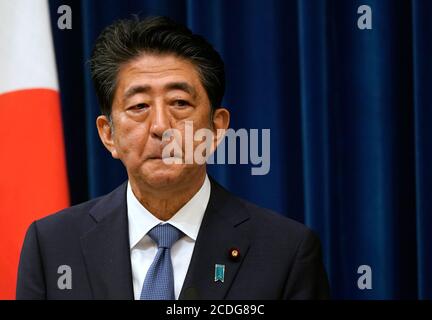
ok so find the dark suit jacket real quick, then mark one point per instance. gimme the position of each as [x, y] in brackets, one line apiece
[279, 258]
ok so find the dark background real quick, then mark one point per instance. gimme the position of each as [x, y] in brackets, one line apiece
[349, 112]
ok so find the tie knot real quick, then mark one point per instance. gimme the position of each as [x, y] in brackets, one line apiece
[165, 235]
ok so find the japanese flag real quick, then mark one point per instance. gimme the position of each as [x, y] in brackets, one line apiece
[33, 181]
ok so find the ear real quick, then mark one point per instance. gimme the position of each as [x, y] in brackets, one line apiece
[221, 120]
[106, 135]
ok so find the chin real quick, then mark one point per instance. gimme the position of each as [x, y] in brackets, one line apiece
[164, 177]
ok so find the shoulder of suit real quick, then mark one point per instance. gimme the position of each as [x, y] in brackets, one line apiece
[71, 217]
[263, 221]
[268, 229]
[74, 218]
[272, 219]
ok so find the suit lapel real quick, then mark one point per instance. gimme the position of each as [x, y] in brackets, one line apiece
[106, 248]
[224, 227]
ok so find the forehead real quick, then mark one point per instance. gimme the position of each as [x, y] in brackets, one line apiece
[155, 71]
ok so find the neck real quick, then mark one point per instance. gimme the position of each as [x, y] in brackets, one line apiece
[165, 204]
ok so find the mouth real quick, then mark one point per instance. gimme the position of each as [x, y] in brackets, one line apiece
[160, 153]
[163, 158]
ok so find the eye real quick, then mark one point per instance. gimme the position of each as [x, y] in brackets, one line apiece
[139, 106]
[181, 103]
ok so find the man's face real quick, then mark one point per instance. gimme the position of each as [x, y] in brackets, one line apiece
[155, 93]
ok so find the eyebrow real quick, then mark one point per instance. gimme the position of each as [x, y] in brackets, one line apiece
[183, 86]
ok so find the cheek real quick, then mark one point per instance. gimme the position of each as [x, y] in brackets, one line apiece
[194, 133]
[199, 120]
[131, 138]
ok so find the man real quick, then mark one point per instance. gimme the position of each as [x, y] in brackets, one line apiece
[170, 231]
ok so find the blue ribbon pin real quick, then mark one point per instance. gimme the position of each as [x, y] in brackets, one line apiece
[219, 272]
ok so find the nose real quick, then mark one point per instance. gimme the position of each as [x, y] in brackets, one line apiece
[160, 121]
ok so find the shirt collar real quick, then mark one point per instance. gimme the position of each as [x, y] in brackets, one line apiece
[188, 219]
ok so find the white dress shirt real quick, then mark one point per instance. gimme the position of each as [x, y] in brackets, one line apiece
[143, 249]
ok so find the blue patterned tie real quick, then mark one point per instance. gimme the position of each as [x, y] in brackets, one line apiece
[159, 281]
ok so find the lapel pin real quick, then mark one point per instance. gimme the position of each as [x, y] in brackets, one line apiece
[234, 254]
[219, 273]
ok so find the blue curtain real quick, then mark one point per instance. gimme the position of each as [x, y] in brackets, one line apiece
[349, 112]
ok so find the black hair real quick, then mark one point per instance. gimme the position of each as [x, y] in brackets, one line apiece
[127, 39]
